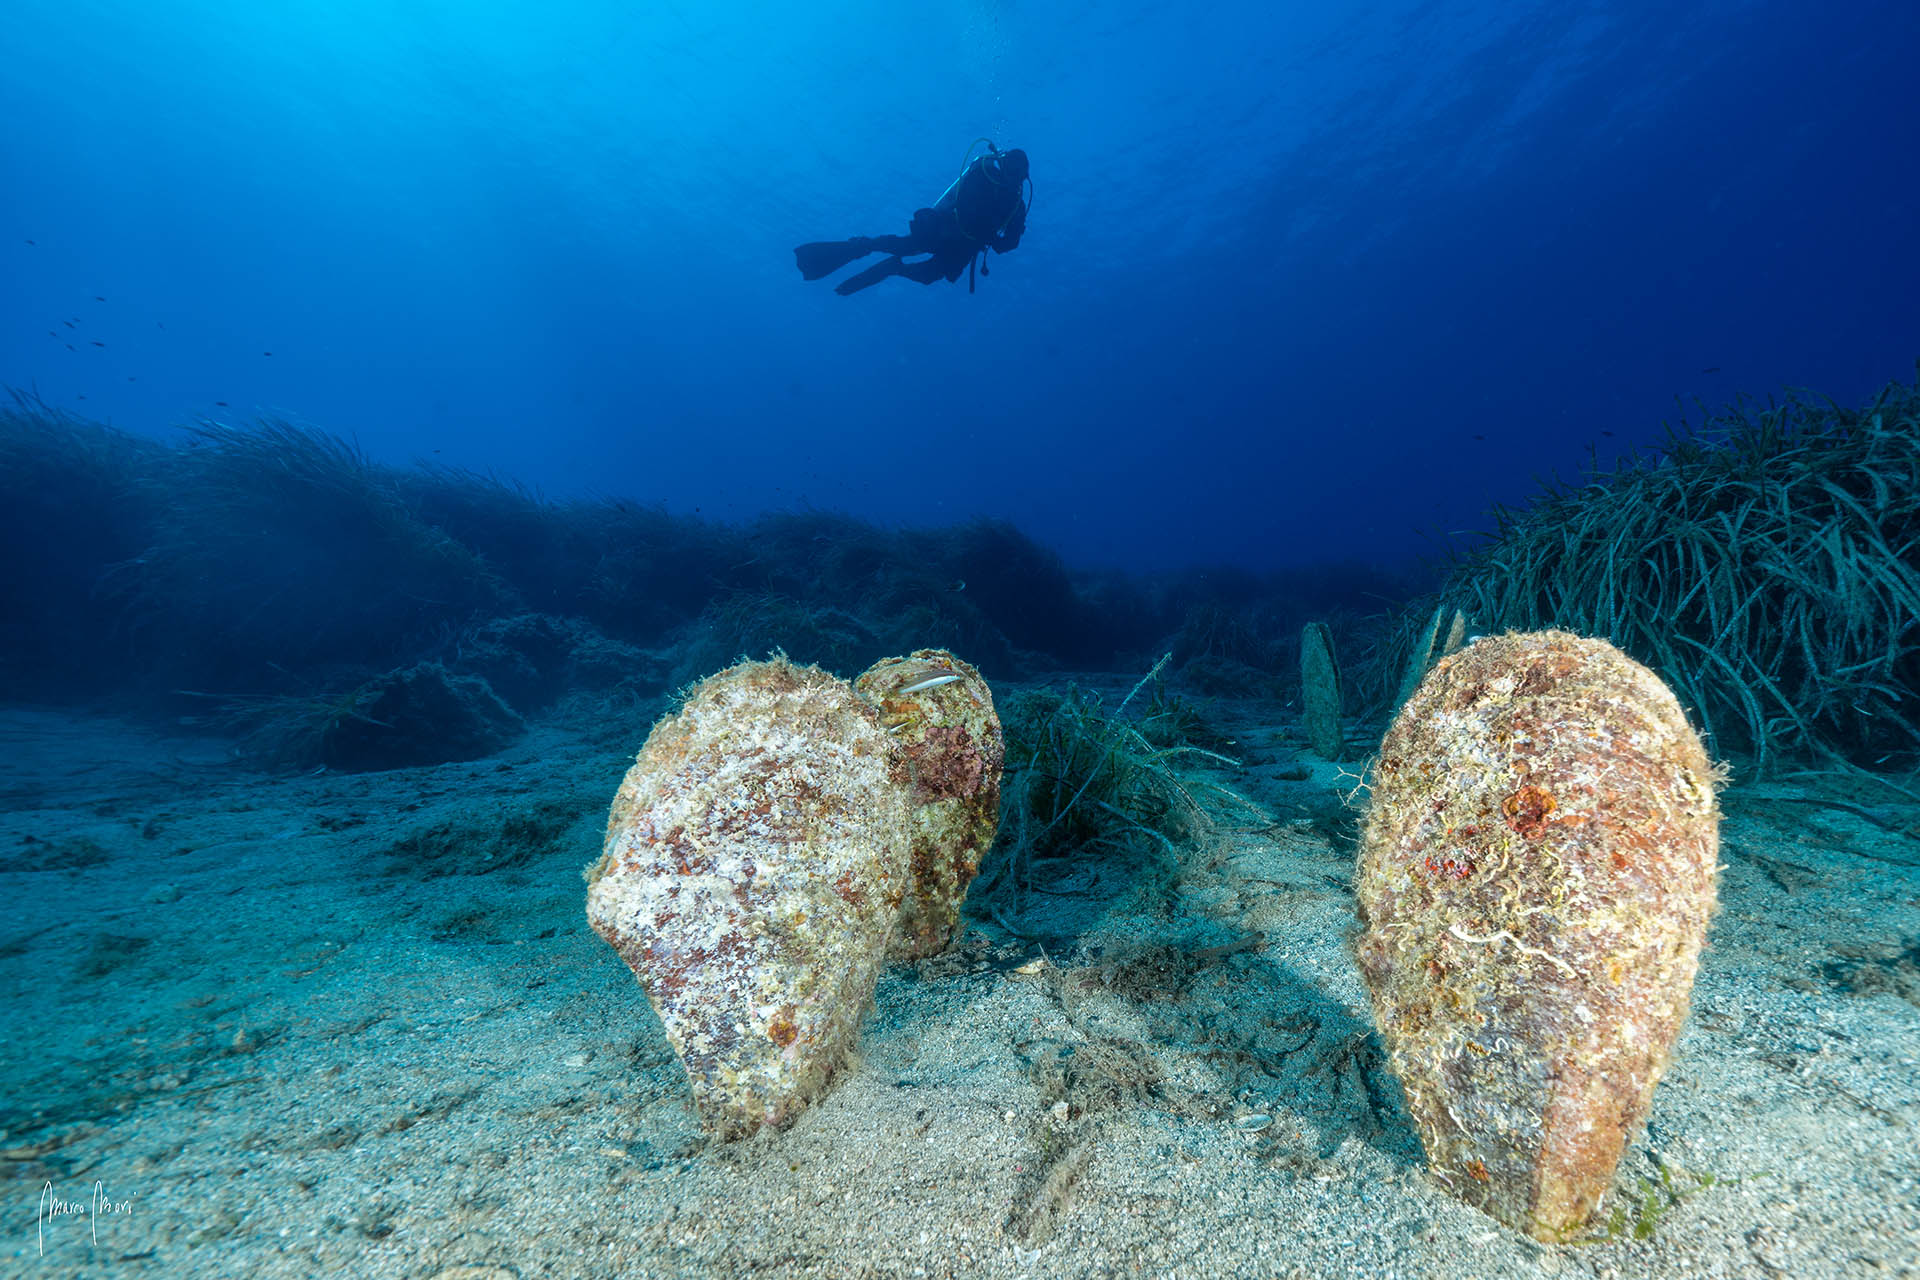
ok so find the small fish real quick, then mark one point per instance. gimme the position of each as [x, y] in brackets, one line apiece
[266, 353]
[98, 298]
[1715, 369]
[1479, 437]
[67, 323]
[931, 682]
[99, 344]
[79, 397]
[69, 346]
[221, 404]
[1607, 434]
[29, 242]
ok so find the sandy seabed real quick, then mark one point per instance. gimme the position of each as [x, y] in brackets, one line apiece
[357, 1025]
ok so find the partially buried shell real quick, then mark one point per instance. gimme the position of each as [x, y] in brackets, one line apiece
[755, 859]
[1536, 875]
[949, 752]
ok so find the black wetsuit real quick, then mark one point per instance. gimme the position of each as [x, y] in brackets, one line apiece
[984, 209]
[979, 212]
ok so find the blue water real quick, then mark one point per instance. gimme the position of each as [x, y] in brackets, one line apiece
[1301, 281]
[303, 746]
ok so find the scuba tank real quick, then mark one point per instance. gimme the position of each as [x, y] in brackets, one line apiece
[988, 165]
[950, 198]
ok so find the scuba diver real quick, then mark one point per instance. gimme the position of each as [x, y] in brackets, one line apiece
[983, 209]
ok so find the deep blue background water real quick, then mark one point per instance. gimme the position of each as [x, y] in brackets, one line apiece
[1301, 280]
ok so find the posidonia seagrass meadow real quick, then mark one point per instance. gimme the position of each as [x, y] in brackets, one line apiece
[1765, 563]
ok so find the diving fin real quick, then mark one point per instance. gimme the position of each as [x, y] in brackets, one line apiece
[871, 276]
[824, 257]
